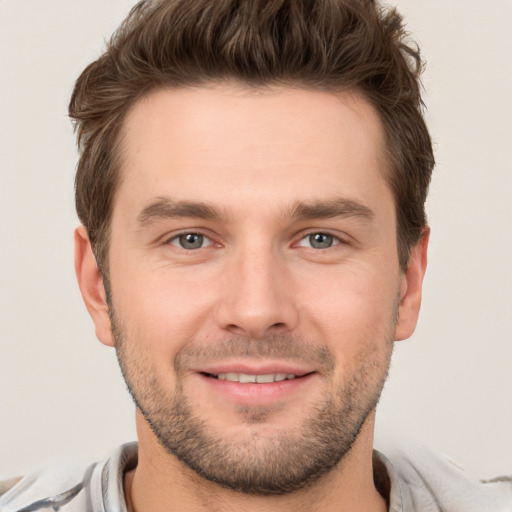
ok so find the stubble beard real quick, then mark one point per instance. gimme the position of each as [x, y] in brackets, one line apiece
[258, 464]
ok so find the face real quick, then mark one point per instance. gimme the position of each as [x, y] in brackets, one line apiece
[255, 285]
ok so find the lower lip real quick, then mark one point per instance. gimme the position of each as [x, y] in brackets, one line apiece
[257, 394]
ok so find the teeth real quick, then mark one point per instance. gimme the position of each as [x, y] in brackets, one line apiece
[243, 378]
[261, 379]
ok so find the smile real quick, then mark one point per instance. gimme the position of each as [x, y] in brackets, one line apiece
[244, 378]
[256, 387]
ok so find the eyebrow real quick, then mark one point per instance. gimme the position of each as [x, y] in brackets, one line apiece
[166, 208]
[340, 207]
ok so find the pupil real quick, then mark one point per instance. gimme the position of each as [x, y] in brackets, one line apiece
[191, 241]
[321, 240]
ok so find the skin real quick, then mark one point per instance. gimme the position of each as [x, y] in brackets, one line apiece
[252, 156]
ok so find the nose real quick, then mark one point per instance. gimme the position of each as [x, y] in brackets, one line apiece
[257, 296]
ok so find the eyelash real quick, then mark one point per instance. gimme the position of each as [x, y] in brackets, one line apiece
[336, 240]
[176, 240]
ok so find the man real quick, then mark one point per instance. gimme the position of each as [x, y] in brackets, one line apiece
[251, 186]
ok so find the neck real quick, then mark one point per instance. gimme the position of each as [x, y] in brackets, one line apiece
[162, 483]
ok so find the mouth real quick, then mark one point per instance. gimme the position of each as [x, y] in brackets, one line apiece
[245, 378]
[256, 386]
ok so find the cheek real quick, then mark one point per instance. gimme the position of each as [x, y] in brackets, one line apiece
[160, 307]
[353, 309]
[361, 287]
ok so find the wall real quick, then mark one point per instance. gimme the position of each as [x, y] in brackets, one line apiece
[61, 394]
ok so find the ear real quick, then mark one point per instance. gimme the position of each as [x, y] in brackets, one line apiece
[411, 289]
[91, 286]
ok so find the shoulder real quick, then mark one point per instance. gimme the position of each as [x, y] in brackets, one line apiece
[85, 487]
[48, 489]
[6, 485]
[421, 478]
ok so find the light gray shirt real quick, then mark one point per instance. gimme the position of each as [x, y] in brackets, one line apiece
[416, 481]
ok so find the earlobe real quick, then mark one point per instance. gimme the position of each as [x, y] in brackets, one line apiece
[91, 286]
[411, 289]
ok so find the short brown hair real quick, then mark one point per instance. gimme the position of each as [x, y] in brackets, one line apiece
[331, 45]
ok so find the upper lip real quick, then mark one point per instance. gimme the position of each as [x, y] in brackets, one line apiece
[256, 368]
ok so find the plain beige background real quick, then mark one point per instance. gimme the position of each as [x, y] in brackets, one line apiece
[61, 394]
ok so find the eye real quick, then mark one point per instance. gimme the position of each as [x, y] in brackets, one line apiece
[190, 241]
[319, 241]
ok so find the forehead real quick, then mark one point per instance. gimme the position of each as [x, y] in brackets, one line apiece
[201, 143]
